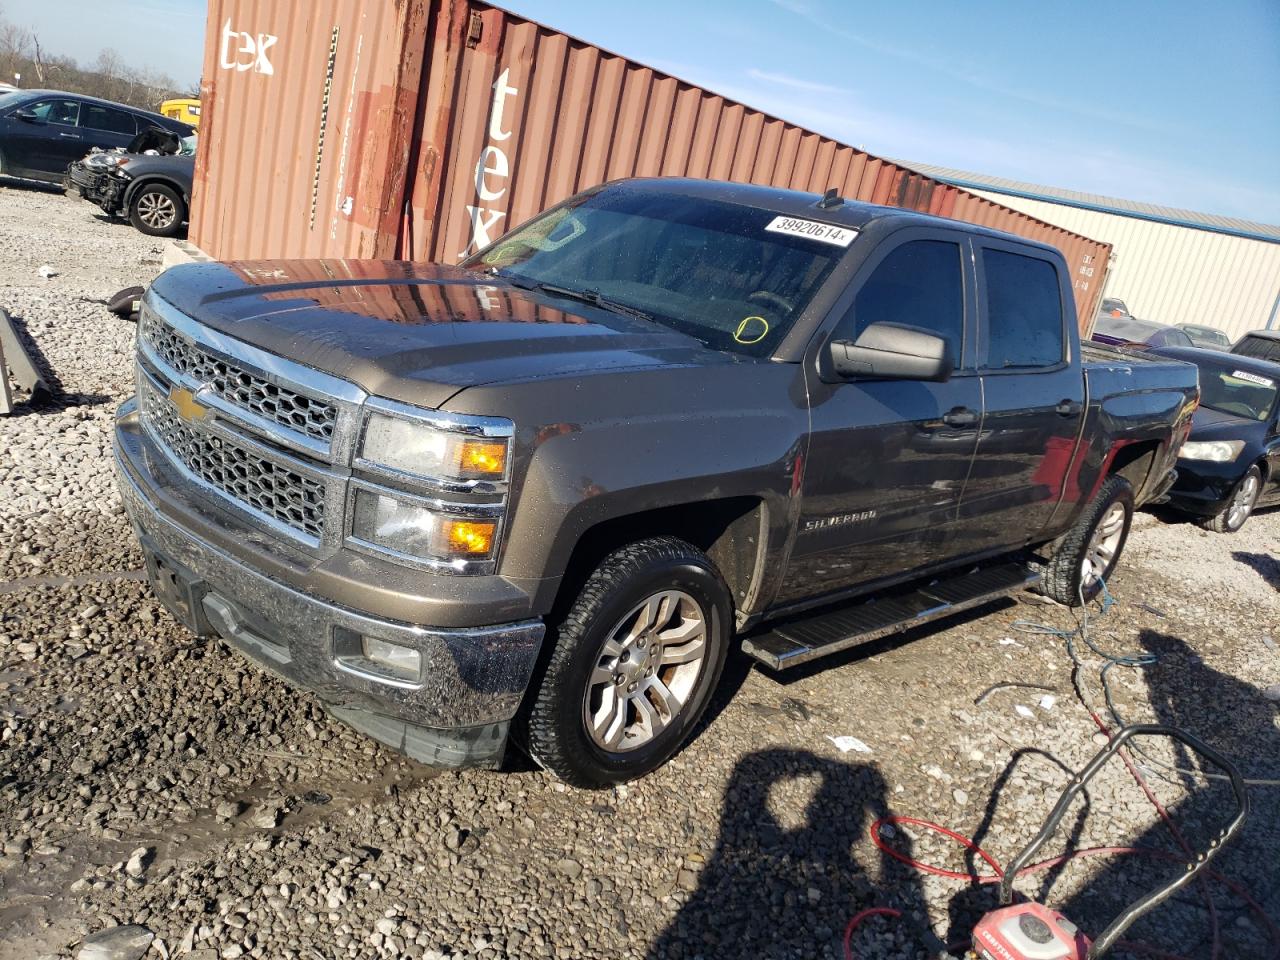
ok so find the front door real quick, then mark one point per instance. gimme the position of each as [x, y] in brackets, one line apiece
[1033, 398]
[888, 459]
[46, 145]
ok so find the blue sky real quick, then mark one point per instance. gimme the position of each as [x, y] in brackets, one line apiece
[1166, 101]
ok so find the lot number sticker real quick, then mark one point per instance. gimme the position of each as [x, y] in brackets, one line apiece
[1253, 378]
[826, 232]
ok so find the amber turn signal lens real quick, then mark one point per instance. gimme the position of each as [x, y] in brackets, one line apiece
[483, 458]
[470, 537]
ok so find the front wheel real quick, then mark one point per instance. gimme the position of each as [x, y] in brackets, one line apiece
[1086, 555]
[1240, 506]
[633, 666]
[158, 210]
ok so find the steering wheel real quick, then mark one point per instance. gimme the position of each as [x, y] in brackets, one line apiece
[773, 299]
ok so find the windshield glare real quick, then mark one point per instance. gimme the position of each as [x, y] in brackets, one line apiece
[1237, 392]
[703, 267]
[187, 146]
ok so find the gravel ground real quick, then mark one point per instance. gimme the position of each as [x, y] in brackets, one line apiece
[152, 779]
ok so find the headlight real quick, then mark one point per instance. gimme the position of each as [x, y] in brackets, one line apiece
[1215, 451]
[420, 529]
[439, 447]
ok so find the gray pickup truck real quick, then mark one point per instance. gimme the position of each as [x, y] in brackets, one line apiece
[539, 495]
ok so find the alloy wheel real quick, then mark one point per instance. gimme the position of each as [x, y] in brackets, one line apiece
[1242, 503]
[1103, 545]
[646, 672]
[156, 210]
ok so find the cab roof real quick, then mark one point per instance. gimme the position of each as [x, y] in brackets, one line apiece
[805, 205]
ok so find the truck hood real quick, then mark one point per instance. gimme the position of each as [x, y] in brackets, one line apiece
[418, 333]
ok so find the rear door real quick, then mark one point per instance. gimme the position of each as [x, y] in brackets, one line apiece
[106, 127]
[1033, 396]
[888, 459]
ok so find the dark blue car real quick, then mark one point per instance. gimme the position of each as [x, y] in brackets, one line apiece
[43, 131]
[1230, 464]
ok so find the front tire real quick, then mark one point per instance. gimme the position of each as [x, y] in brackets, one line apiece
[633, 665]
[1087, 554]
[158, 210]
[1240, 507]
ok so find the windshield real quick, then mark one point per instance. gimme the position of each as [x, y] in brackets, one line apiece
[716, 271]
[1240, 392]
[187, 146]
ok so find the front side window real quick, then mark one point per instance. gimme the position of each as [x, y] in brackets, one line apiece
[57, 111]
[707, 268]
[1024, 312]
[919, 284]
[104, 118]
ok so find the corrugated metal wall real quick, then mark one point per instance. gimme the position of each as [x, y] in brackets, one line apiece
[516, 117]
[423, 128]
[308, 113]
[1172, 274]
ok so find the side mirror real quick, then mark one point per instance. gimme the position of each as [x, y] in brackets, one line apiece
[889, 351]
[26, 116]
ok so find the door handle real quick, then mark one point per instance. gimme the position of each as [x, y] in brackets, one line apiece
[70, 136]
[1068, 408]
[960, 417]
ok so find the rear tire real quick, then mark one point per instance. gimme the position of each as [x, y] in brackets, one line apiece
[633, 665]
[1240, 507]
[1087, 554]
[157, 210]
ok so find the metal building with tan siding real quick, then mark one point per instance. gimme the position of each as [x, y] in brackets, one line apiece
[1167, 265]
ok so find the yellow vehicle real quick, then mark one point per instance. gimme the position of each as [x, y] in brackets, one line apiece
[188, 111]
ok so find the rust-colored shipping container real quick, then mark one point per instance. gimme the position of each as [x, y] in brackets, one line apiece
[421, 129]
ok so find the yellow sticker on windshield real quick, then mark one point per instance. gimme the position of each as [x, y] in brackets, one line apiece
[751, 330]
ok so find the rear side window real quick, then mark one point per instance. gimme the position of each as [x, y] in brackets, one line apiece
[1261, 347]
[1024, 312]
[917, 285]
[104, 118]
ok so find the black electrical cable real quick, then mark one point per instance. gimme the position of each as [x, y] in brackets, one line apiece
[1135, 661]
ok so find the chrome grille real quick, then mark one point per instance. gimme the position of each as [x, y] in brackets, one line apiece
[309, 416]
[270, 488]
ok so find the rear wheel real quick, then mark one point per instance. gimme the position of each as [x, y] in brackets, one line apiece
[1240, 506]
[633, 666]
[157, 210]
[1087, 554]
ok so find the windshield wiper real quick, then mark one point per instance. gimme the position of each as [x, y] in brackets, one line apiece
[592, 297]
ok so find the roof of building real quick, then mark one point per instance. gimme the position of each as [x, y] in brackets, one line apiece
[1093, 201]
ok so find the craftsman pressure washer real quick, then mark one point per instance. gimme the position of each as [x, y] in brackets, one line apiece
[1031, 931]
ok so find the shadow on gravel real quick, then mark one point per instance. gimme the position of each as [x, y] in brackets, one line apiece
[1267, 566]
[969, 905]
[35, 186]
[58, 397]
[1236, 719]
[772, 890]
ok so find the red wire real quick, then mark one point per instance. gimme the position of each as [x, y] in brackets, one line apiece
[858, 918]
[1272, 929]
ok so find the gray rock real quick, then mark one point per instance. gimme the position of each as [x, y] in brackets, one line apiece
[138, 861]
[128, 942]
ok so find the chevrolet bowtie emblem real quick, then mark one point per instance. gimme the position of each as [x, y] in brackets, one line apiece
[190, 410]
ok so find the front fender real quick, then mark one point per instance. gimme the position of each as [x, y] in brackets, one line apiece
[605, 447]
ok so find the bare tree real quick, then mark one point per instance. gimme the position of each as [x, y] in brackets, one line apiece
[112, 76]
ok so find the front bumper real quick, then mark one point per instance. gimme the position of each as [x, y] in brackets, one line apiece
[473, 678]
[1203, 487]
[98, 187]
